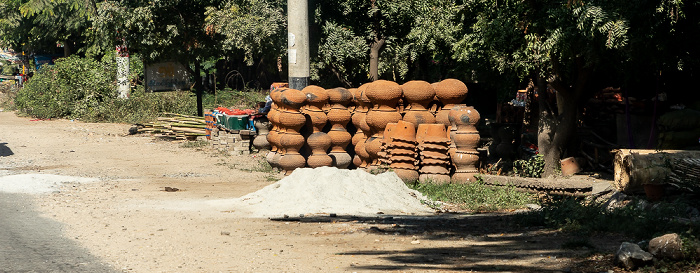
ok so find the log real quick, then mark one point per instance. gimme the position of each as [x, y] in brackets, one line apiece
[635, 167]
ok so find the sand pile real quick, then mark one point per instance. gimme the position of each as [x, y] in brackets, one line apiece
[37, 183]
[329, 190]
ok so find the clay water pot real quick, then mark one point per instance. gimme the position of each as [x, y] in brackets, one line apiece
[357, 161]
[291, 143]
[269, 157]
[340, 139]
[260, 142]
[434, 169]
[317, 118]
[292, 99]
[388, 132]
[361, 152]
[379, 119]
[339, 95]
[339, 116]
[273, 138]
[384, 94]
[316, 96]
[434, 155]
[451, 91]
[359, 136]
[290, 162]
[315, 161]
[319, 142]
[418, 94]
[291, 121]
[407, 175]
[463, 118]
[569, 166]
[465, 140]
[405, 131]
[431, 161]
[437, 140]
[418, 117]
[400, 144]
[373, 146]
[433, 147]
[403, 158]
[341, 160]
[465, 161]
[403, 151]
[438, 179]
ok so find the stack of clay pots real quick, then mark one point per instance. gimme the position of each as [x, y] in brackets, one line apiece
[401, 150]
[359, 119]
[291, 120]
[318, 141]
[273, 157]
[384, 154]
[339, 116]
[263, 125]
[465, 137]
[418, 95]
[384, 96]
[433, 146]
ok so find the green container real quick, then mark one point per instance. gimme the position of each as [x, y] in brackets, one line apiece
[238, 122]
[220, 120]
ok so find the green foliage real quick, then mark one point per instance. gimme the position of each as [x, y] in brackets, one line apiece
[573, 215]
[228, 98]
[74, 87]
[533, 167]
[475, 196]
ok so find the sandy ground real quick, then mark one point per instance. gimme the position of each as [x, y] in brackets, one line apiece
[116, 219]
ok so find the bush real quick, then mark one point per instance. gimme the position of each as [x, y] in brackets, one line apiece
[533, 167]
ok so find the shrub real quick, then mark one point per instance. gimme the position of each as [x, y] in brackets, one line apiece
[532, 167]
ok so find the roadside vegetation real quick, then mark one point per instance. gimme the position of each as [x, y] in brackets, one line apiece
[476, 197]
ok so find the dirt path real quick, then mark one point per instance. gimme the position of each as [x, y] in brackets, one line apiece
[114, 218]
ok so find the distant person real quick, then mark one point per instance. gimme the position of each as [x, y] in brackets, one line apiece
[265, 105]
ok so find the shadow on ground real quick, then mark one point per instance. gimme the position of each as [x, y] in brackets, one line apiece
[483, 243]
[4, 150]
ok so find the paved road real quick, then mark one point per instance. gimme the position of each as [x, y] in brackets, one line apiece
[31, 243]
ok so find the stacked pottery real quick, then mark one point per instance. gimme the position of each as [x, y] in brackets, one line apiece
[401, 149]
[339, 116]
[291, 120]
[418, 95]
[385, 96]
[359, 119]
[273, 157]
[466, 138]
[449, 92]
[318, 141]
[433, 146]
[262, 126]
[386, 140]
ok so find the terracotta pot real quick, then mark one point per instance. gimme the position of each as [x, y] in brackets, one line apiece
[431, 161]
[340, 139]
[291, 143]
[373, 145]
[378, 119]
[316, 96]
[260, 142]
[293, 99]
[451, 91]
[464, 177]
[569, 166]
[403, 151]
[405, 131]
[407, 175]
[434, 169]
[434, 155]
[273, 139]
[438, 179]
[339, 96]
[403, 158]
[357, 161]
[388, 132]
[433, 147]
[419, 117]
[341, 160]
[270, 157]
[359, 136]
[319, 143]
[361, 152]
[319, 160]
[463, 118]
[291, 121]
[339, 116]
[403, 165]
[465, 161]
[465, 140]
[385, 94]
[290, 162]
[317, 118]
[418, 93]
[401, 144]
[437, 140]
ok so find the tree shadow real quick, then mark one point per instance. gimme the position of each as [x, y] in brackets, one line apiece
[4, 150]
[482, 243]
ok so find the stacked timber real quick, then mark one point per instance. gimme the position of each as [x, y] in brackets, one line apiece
[634, 168]
[176, 126]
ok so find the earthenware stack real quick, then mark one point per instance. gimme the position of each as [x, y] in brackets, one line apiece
[466, 138]
[318, 141]
[384, 96]
[291, 121]
[262, 126]
[450, 92]
[273, 157]
[433, 146]
[339, 116]
[386, 140]
[401, 148]
[359, 119]
[418, 95]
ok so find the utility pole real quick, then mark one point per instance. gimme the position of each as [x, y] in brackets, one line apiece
[298, 43]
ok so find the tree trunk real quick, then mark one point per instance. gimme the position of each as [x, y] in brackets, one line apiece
[375, 47]
[199, 89]
[546, 129]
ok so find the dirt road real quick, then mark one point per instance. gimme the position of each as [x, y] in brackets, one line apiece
[127, 219]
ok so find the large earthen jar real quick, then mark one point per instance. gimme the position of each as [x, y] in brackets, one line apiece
[449, 92]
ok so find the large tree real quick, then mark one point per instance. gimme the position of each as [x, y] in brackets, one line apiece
[570, 47]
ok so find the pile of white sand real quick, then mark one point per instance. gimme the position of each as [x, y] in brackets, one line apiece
[328, 190]
[37, 183]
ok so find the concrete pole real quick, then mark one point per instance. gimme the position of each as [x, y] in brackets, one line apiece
[298, 43]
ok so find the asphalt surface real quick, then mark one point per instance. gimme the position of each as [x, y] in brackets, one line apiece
[32, 243]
